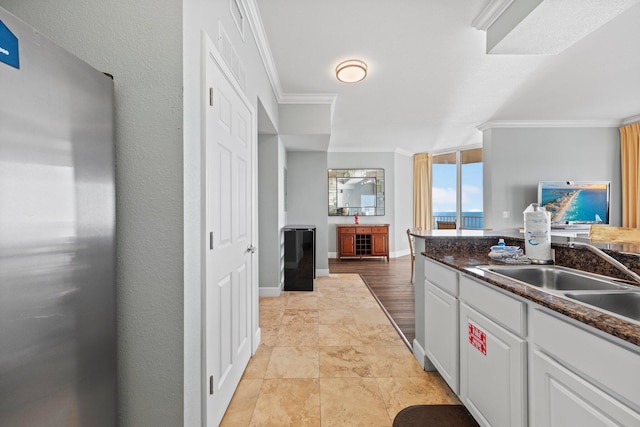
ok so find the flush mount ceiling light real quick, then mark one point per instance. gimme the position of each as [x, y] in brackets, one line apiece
[351, 71]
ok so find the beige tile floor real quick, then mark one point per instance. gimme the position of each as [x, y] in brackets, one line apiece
[330, 358]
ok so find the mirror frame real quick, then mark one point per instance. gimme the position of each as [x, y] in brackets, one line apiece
[334, 174]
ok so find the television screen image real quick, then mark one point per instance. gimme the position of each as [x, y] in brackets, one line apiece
[575, 202]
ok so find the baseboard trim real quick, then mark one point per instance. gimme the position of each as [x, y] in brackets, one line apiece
[398, 254]
[419, 353]
[257, 338]
[271, 291]
[322, 272]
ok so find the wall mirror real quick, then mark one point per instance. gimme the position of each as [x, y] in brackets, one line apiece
[356, 191]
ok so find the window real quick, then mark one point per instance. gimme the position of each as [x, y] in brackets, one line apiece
[456, 189]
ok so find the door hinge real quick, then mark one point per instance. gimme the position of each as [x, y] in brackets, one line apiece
[211, 240]
[211, 96]
[211, 384]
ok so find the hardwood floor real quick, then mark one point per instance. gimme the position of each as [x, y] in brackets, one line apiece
[391, 284]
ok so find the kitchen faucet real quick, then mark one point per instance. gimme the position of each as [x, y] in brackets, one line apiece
[611, 260]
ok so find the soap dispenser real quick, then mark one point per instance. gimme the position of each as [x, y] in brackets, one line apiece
[537, 234]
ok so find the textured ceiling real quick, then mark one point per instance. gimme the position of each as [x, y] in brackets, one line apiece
[430, 82]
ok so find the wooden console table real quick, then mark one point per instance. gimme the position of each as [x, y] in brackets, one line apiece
[363, 240]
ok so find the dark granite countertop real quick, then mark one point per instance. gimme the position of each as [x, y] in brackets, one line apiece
[466, 249]
[621, 248]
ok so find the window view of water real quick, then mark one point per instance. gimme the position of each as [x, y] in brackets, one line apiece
[469, 219]
[449, 196]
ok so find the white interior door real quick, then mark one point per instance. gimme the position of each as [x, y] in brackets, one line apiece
[228, 223]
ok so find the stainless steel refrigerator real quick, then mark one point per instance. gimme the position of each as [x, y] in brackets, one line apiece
[57, 235]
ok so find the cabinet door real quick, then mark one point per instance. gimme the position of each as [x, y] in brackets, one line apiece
[442, 333]
[347, 244]
[561, 398]
[492, 371]
[379, 244]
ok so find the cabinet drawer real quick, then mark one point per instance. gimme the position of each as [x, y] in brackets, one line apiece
[347, 230]
[507, 311]
[379, 230]
[609, 364]
[363, 230]
[441, 276]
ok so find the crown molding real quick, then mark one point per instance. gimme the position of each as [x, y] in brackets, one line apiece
[352, 149]
[549, 124]
[457, 148]
[260, 36]
[262, 42]
[632, 119]
[403, 152]
[307, 98]
[490, 13]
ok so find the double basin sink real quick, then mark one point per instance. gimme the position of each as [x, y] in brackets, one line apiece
[604, 293]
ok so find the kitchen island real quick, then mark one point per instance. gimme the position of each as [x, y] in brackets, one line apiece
[513, 352]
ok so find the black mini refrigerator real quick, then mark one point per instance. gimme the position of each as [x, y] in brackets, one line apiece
[299, 257]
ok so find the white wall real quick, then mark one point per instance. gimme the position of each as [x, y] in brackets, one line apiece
[305, 127]
[403, 166]
[282, 183]
[206, 17]
[398, 188]
[140, 43]
[154, 50]
[307, 198]
[270, 182]
[515, 159]
[305, 119]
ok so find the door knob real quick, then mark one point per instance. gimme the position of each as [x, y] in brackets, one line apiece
[251, 249]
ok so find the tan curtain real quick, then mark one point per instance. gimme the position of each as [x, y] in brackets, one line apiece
[422, 190]
[630, 165]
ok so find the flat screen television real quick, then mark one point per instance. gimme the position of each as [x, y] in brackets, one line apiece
[575, 204]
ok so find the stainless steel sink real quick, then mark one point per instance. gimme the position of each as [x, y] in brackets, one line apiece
[555, 278]
[625, 304]
[600, 292]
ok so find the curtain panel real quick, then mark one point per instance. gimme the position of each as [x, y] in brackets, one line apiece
[630, 167]
[422, 190]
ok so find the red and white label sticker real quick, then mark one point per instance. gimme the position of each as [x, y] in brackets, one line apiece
[478, 338]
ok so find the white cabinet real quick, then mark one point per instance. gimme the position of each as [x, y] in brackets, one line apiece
[564, 399]
[442, 334]
[580, 378]
[515, 363]
[441, 321]
[493, 359]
